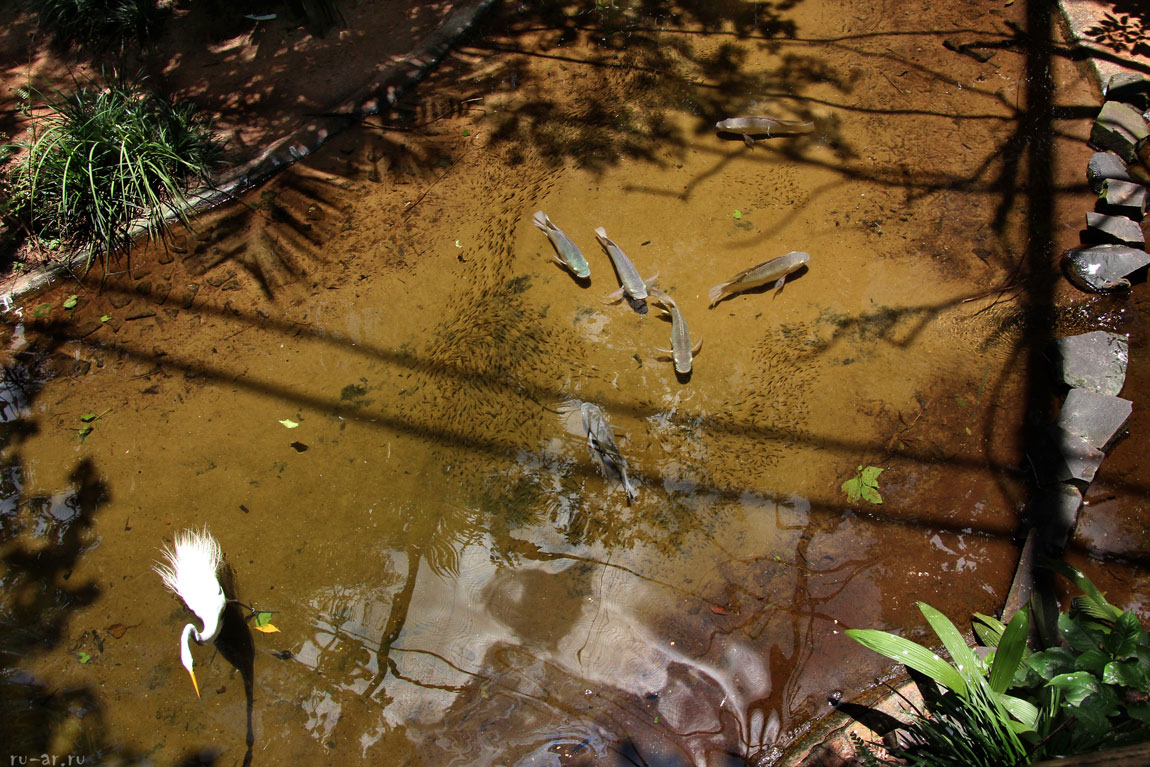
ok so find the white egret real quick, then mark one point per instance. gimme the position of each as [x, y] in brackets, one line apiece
[192, 570]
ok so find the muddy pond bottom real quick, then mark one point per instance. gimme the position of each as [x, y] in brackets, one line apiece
[362, 378]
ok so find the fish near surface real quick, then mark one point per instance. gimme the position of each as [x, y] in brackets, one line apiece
[749, 127]
[602, 444]
[632, 285]
[569, 254]
[775, 270]
[681, 350]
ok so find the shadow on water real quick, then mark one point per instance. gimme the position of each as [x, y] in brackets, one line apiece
[42, 541]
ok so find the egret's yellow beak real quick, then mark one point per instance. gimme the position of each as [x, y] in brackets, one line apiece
[192, 674]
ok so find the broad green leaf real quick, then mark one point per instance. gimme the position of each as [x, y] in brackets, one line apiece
[1093, 661]
[41, 310]
[105, 317]
[737, 215]
[70, 302]
[89, 417]
[85, 657]
[864, 485]
[1075, 687]
[1127, 673]
[988, 629]
[1050, 663]
[853, 489]
[1089, 608]
[962, 655]
[1077, 635]
[1123, 639]
[1022, 710]
[910, 654]
[1079, 579]
[1010, 651]
[288, 423]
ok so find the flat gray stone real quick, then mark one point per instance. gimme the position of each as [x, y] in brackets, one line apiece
[1065, 458]
[1095, 361]
[1118, 229]
[1103, 267]
[1104, 165]
[1124, 197]
[1094, 418]
[1119, 127]
[1130, 87]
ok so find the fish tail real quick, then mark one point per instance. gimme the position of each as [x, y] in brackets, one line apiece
[716, 293]
[601, 233]
[540, 220]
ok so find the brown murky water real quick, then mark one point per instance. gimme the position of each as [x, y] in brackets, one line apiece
[455, 581]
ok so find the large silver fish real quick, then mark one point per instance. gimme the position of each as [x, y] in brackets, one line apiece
[749, 127]
[632, 284]
[569, 254]
[775, 270]
[681, 350]
[602, 445]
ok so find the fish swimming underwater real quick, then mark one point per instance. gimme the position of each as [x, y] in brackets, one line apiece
[775, 270]
[569, 254]
[632, 284]
[602, 445]
[749, 127]
[681, 350]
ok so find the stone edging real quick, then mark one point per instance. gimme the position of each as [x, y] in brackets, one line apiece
[1093, 365]
[376, 96]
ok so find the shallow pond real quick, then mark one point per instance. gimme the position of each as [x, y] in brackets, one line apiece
[356, 377]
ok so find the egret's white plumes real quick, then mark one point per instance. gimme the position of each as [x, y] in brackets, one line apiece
[191, 570]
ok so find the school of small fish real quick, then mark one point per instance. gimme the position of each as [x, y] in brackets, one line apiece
[600, 438]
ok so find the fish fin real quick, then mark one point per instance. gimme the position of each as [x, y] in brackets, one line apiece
[651, 279]
[748, 140]
[665, 354]
[695, 349]
[540, 220]
[615, 297]
[561, 262]
[664, 301]
[779, 285]
[716, 294]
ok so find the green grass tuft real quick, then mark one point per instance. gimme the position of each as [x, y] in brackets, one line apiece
[104, 158]
[100, 26]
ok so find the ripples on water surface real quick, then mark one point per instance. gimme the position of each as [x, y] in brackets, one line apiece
[455, 581]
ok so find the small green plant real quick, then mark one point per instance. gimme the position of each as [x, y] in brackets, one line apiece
[105, 158]
[100, 25]
[89, 421]
[863, 485]
[1088, 691]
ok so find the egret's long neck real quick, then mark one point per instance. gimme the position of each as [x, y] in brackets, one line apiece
[211, 628]
[186, 645]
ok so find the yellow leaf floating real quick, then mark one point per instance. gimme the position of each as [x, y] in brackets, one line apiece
[289, 423]
[263, 624]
